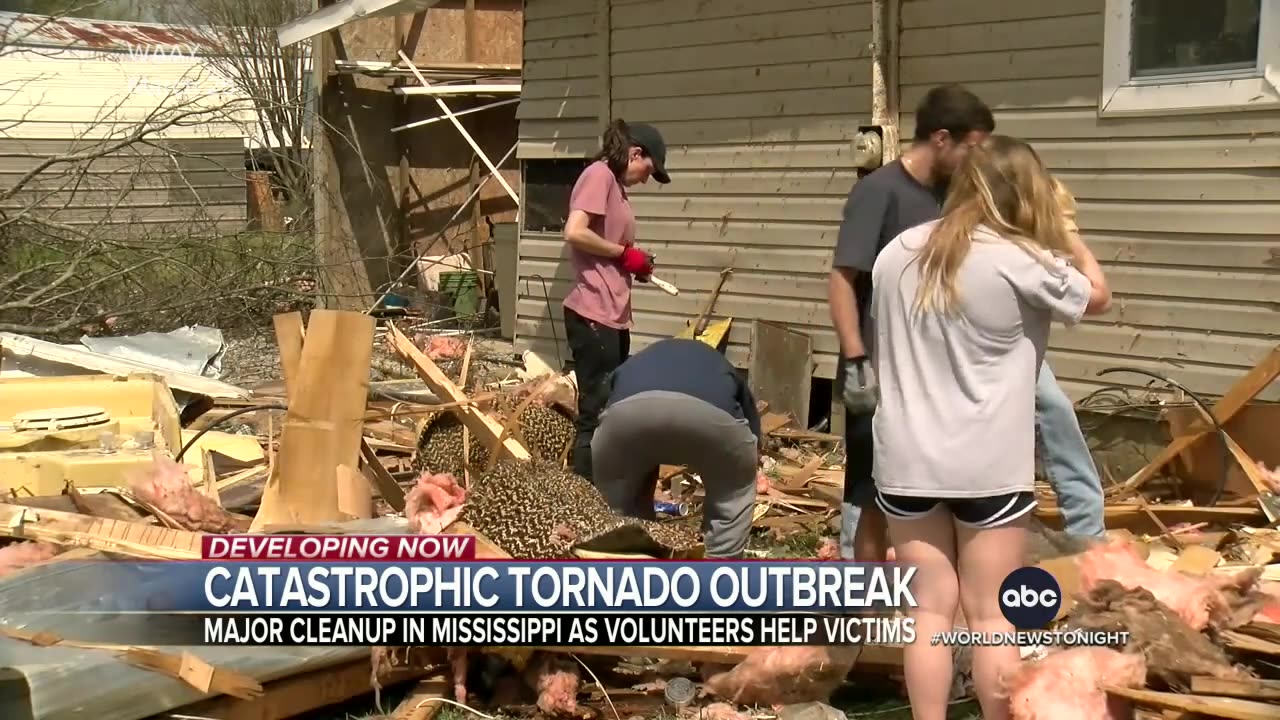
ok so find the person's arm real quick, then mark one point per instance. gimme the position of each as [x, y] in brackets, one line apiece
[1084, 261]
[856, 246]
[590, 197]
[749, 411]
[578, 233]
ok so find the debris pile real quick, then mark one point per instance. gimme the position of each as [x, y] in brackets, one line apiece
[481, 449]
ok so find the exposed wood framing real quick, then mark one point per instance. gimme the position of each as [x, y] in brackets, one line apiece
[487, 89]
[604, 26]
[497, 174]
[884, 74]
[460, 113]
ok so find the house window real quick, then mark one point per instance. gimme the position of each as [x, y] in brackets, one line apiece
[1189, 56]
[547, 186]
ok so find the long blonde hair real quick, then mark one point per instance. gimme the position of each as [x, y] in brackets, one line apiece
[1003, 185]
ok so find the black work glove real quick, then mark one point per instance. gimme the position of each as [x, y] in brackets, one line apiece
[860, 392]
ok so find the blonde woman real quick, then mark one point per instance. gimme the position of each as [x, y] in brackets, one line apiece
[962, 308]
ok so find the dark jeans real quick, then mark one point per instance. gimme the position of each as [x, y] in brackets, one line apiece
[597, 351]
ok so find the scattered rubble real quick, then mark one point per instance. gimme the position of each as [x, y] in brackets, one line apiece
[1196, 587]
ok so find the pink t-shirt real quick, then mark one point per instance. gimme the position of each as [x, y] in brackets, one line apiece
[602, 289]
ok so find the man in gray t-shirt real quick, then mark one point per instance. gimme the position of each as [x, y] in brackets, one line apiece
[882, 205]
[890, 200]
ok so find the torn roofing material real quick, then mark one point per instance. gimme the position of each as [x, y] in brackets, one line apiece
[21, 346]
[22, 29]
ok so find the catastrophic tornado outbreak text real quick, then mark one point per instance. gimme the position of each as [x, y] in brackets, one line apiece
[561, 629]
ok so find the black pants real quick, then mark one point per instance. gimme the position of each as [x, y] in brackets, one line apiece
[597, 351]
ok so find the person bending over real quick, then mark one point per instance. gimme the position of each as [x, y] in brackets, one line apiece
[962, 308]
[680, 402]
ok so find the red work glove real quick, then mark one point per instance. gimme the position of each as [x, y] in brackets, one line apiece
[636, 261]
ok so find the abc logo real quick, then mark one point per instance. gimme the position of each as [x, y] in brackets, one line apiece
[1030, 598]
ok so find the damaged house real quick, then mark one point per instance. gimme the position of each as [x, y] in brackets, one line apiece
[1162, 117]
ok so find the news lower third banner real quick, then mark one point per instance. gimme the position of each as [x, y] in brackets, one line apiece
[511, 603]
[502, 629]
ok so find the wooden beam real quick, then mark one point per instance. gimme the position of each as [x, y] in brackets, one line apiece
[292, 696]
[1244, 390]
[477, 421]
[324, 424]
[1255, 689]
[1116, 516]
[1212, 706]
[134, 539]
[423, 702]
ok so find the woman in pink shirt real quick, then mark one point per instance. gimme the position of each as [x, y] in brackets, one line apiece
[601, 232]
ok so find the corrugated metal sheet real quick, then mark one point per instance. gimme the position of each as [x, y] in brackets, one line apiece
[62, 683]
[759, 101]
[1182, 211]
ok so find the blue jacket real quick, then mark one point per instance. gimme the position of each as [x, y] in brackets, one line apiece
[690, 367]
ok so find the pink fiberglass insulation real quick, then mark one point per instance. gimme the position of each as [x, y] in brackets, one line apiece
[785, 675]
[434, 503]
[445, 347]
[556, 680]
[16, 556]
[1198, 601]
[829, 549]
[166, 485]
[762, 483]
[1068, 685]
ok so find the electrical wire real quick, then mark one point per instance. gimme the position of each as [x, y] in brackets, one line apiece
[221, 419]
[1208, 412]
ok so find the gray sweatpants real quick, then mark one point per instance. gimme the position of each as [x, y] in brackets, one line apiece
[658, 427]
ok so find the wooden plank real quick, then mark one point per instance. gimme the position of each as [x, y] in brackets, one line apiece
[388, 489]
[781, 368]
[292, 696]
[1213, 706]
[422, 703]
[476, 420]
[105, 534]
[1240, 394]
[322, 428]
[1255, 689]
[1125, 516]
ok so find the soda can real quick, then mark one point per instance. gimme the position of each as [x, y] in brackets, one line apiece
[670, 508]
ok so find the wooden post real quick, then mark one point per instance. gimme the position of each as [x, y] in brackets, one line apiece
[343, 278]
[884, 76]
[402, 145]
[264, 212]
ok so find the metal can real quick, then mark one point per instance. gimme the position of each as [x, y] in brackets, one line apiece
[670, 508]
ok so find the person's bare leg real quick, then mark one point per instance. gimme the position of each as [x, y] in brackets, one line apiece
[871, 539]
[928, 543]
[985, 559]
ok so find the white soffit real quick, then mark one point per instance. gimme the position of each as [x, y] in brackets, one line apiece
[340, 13]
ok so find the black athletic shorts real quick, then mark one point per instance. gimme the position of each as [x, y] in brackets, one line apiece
[983, 512]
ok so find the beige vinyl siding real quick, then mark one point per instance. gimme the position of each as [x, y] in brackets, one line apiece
[759, 101]
[560, 98]
[194, 184]
[74, 93]
[1182, 210]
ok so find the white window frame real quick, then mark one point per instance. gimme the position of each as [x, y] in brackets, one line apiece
[1186, 93]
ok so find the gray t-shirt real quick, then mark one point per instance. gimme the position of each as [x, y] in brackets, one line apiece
[880, 207]
[956, 417]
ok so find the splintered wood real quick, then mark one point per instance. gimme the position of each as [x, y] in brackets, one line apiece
[323, 426]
